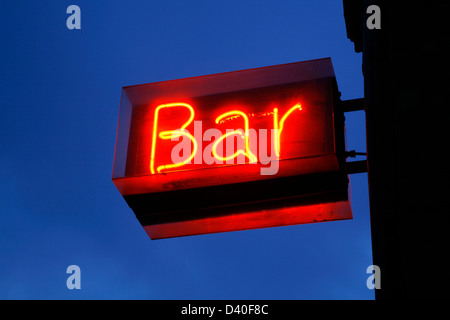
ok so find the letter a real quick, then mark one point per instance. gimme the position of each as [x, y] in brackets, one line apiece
[74, 281]
[374, 280]
[373, 21]
[74, 21]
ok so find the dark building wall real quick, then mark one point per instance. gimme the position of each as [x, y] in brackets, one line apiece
[406, 84]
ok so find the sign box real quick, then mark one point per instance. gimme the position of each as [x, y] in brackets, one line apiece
[232, 151]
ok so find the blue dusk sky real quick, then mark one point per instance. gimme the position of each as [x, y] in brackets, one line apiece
[60, 92]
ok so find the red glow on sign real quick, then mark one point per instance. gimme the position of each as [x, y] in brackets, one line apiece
[258, 219]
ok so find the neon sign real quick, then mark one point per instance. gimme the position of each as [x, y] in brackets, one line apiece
[241, 134]
[240, 150]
